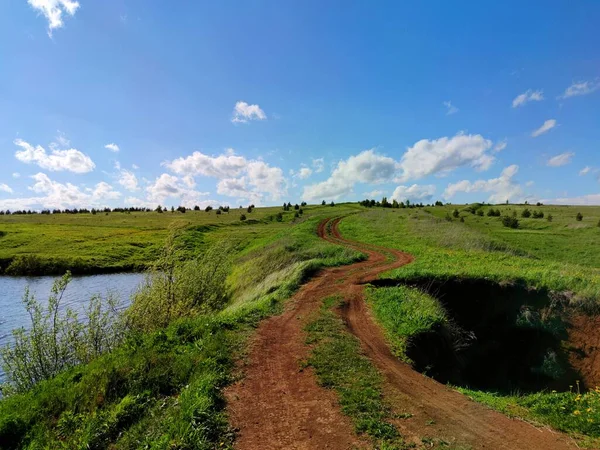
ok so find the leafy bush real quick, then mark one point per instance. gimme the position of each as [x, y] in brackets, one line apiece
[455, 213]
[493, 212]
[480, 212]
[549, 218]
[175, 289]
[579, 217]
[510, 222]
[448, 217]
[538, 215]
[243, 217]
[526, 213]
[58, 340]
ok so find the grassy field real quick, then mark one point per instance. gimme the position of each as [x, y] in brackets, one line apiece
[162, 390]
[113, 242]
[557, 259]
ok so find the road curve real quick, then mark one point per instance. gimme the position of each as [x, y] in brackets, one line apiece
[277, 405]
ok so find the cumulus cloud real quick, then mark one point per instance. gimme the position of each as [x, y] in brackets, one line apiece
[16, 175]
[318, 164]
[366, 167]
[441, 156]
[547, 126]
[585, 171]
[501, 189]
[53, 11]
[128, 180]
[526, 97]
[560, 160]
[5, 188]
[52, 194]
[374, 194]
[450, 108]
[169, 186]
[260, 178]
[414, 193]
[243, 113]
[112, 147]
[222, 166]
[590, 199]
[500, 146]
[581, 88]
[303, 173]
[72, 160]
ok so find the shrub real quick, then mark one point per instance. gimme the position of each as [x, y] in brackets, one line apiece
[455, 213]
[243, 217]
[549, 218]
[462, 220]
[218, 212]
[526, 213]
[175, 289]
[579, 217]
[279, 217]
[480, 212]
[598, 225]
[296, 215]
[57, 339]
[448, 217]
[510, 222]
[538, 215]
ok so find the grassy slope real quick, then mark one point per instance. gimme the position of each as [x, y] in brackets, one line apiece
[98, 243]
[476, 250]
[480, 248]
[163, 390]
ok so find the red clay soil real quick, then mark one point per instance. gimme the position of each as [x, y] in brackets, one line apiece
[277, 405]
[584, 342]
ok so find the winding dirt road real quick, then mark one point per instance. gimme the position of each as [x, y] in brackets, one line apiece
[277, 405]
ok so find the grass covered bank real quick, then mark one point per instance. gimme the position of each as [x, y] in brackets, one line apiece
[162, 389]
[534, 291]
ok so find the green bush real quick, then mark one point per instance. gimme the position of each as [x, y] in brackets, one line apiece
[579, 217]
[510, 222]
[58, 340]
[526, 213]
[538, 215]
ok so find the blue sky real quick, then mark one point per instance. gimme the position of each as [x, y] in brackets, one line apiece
[131, 102]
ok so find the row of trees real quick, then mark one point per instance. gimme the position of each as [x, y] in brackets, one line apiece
[385, 203]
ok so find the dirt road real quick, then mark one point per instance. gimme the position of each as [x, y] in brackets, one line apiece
[278, 405]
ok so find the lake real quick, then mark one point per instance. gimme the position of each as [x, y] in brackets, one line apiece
[79, 291]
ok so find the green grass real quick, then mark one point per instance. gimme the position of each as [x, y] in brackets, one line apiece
[404, 312]
[340, 365]
[163, 390]
[445, 250]
[86, 243]
[559, 256]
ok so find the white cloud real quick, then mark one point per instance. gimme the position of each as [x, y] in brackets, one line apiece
[526, 97]
[585, 171]
[128, 180]
[222, 166]
[414, 193]
[581, 88]
[560, 160]
[529, 183]
[259, 177]
[547, 126]
[52, 194]
[72, 160]
[500, 146]
[243, 112]
[303, 173]
[366, 167]
[112, 147]
[318, 164]
[5, 188]
[441, 156]
[501, 189]
[450, 108]
[169, 186]
[374, 194]
[53, 11]
[590, 199]
[16, 175]
[135, 166]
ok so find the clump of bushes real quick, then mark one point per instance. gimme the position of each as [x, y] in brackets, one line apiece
[538, 215]
[243, 217]
[579, 217]
[493, 212]
[455, 213]
[58, 340]
[549, 218]
[526, 213]
[510, 222]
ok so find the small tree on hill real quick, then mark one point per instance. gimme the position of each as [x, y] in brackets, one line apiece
[243, 217]
[579, 217]
[526, 213]
[323, 203]
[549, 218]
[455, 213]
[510, 222]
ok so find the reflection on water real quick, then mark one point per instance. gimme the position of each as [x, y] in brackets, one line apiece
[80, 289]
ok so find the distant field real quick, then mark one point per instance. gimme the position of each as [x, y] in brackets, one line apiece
[86, 243]
[562, 255]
